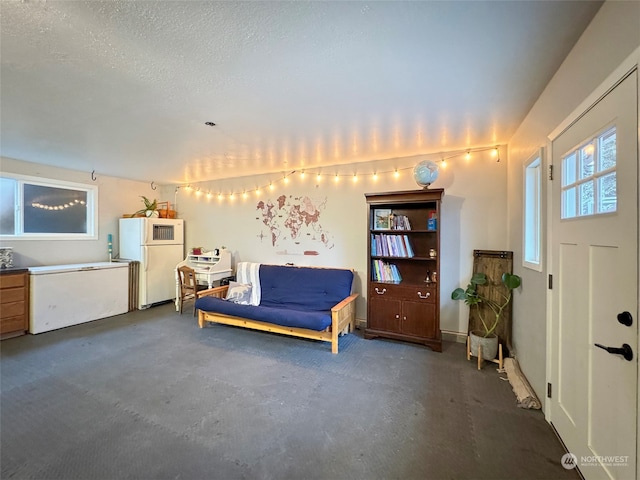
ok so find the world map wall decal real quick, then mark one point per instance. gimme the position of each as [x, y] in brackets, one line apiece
[293, 223]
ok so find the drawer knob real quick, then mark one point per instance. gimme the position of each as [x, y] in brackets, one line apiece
[426, 295]
[380, 292]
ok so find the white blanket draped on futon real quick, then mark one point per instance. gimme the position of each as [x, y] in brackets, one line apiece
[249, 274]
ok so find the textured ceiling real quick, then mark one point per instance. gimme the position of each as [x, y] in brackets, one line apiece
[125, 87]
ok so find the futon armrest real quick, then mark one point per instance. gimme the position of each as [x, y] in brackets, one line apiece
[344, 303]
[219, 292]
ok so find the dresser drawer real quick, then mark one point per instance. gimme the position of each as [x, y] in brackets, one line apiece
[414, 293]
[13, 324]
[10, 295]
[11, 281]
[12, 309]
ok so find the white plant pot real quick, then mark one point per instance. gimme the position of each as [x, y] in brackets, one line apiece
[489, 344]
[152, 213]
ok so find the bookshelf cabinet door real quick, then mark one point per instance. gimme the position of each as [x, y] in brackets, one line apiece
[384, 314]
[419, 319]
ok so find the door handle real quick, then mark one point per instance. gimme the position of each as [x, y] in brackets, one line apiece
[380, 292]
[426, 295]
[625, 350]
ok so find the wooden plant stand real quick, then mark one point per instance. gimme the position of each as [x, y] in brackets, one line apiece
[499, 360]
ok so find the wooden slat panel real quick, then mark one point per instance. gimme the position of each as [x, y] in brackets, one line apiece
[493, 263]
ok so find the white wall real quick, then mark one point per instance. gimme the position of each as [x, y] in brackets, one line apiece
[473, 214]
[116, 197]
[612, 36]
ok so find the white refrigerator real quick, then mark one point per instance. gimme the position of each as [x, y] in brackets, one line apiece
[158, 244]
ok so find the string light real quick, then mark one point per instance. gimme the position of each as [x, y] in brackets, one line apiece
[64, 206]
[396, 173]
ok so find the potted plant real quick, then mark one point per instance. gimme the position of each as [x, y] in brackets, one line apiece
[150, 208]
[472, 297]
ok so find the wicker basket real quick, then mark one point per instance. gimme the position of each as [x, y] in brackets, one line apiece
[164, 209]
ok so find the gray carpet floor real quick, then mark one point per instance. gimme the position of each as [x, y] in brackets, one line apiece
[150, 395]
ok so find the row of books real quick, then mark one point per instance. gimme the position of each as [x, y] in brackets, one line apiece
[385, 272]
[400, 222]
[383, 245]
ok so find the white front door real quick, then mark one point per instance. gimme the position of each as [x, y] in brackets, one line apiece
[594, 248]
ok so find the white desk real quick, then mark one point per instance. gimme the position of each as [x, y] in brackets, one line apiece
[209, 268]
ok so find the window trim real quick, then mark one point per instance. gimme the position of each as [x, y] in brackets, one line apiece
[532, 172]
[92, 208]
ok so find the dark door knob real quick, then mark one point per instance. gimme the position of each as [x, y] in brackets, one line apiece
[625, 318]
[625, 350]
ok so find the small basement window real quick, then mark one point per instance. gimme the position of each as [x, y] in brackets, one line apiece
[43, 209]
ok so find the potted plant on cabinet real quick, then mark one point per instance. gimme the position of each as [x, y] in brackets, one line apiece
[472, 297]
[150, 208]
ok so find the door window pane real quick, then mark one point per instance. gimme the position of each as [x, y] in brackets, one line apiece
[586, 198]
[607, 150]
[569, 169]
[569, 203]
[587, 166]
[608, 193]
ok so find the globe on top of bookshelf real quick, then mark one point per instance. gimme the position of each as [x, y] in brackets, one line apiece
[425, 173]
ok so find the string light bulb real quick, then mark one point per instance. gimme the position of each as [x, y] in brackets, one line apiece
[467, 156]
[396, 173]
[355, 177]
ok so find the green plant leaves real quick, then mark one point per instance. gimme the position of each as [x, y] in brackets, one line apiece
[511, 281]
[478, 279]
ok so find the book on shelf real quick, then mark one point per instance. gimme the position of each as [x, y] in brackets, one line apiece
[400, 222]
[384, 245]
[385, 272]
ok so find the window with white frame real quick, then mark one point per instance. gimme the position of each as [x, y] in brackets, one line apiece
[37, 208]
[532, 212]
[589, 184]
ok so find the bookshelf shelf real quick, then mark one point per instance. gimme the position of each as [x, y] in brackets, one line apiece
[403, 301]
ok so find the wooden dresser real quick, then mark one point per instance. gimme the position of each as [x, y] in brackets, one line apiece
[14, 302]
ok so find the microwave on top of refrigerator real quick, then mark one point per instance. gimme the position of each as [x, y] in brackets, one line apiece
[153, 231]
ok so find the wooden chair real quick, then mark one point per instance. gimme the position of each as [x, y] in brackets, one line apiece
[188, 286]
